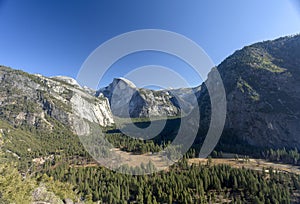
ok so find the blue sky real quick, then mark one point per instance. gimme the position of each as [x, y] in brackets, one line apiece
[55, 37]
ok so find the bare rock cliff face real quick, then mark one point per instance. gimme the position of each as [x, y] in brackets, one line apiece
[127, 100]
[38, 101]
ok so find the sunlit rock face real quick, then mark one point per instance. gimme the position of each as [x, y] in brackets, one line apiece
[126, 100]
[36, 100]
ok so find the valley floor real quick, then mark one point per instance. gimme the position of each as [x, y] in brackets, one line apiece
[254, 164]
[159, 162]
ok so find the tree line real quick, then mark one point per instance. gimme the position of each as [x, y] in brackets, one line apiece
[182, 183]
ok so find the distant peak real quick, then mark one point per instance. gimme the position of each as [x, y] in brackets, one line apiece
[126, 81]
[66, 79]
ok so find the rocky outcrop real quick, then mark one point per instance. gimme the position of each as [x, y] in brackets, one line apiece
[42, 196]
[38, 101]
[126, 100]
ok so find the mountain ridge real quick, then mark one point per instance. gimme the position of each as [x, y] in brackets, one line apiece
[263, 93]
[143, 102]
